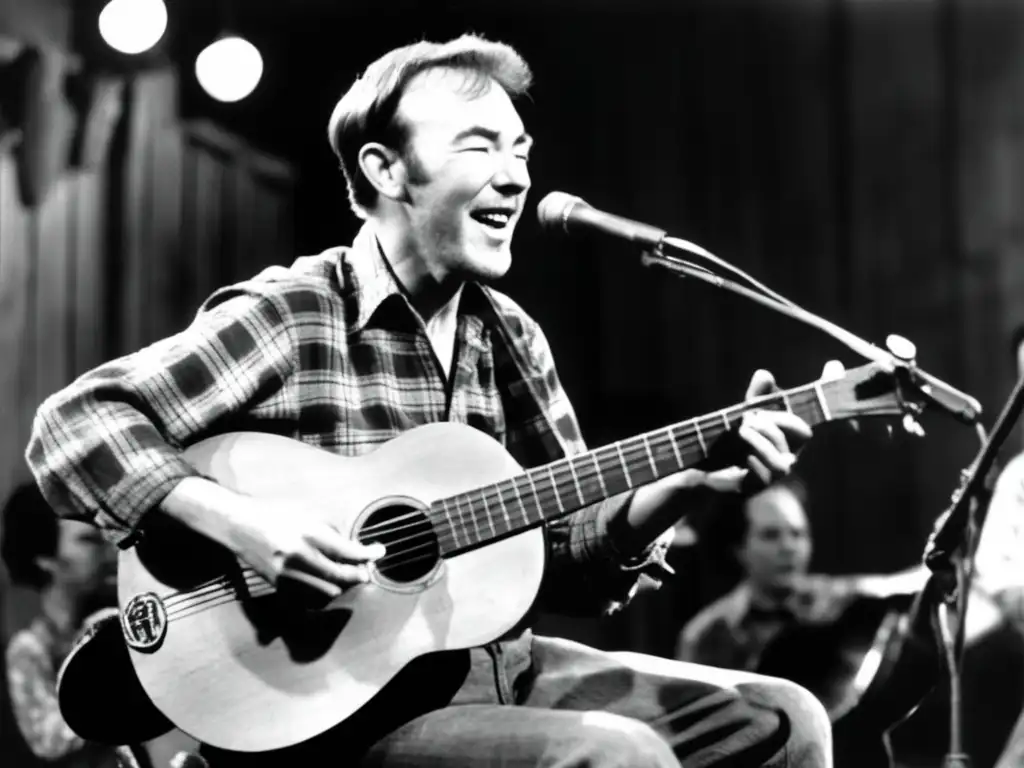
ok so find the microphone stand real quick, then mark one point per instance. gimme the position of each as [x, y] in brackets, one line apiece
[950, 555]
[950, 550]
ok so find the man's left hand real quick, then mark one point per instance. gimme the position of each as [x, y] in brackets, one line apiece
[770, 441]
[771, 438]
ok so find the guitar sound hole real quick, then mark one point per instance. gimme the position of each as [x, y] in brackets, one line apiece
[412, 548]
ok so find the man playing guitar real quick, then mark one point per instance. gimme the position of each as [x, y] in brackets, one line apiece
[353, 348]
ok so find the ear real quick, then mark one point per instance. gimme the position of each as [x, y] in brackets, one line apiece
[47, 564]
[384, 168]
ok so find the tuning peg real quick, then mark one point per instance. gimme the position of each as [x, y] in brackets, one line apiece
[855, 425]
[912, 425]
[901, 347]
[833, 370]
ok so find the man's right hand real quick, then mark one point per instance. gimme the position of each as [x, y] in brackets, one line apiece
[285, 544]
[282, 541]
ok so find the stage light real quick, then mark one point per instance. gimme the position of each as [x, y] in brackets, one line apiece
[229, 69]
[133, 26]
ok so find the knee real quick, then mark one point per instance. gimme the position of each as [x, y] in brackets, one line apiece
[810, 730]
[604, 740]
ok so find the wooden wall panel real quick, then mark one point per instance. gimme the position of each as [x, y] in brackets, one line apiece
[117, 257]
[52, 345]
[165, 248]
[15, 270]
[91, 260]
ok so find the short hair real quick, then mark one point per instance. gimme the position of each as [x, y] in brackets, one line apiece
[30, 531]
[730, 522]
[367, 111]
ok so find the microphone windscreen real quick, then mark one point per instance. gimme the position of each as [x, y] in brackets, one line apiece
[554, 208]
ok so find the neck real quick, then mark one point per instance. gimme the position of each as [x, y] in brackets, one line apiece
[428, 291]
[59, 609]
[769, 594]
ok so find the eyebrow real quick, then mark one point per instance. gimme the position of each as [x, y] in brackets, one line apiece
[491, 135]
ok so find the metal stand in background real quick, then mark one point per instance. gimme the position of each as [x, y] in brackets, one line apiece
[950, 550]
[950, 556]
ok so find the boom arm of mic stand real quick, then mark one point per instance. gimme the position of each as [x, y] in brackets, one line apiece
[958, 404]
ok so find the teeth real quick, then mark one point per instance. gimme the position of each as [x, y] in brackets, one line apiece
[496, 219]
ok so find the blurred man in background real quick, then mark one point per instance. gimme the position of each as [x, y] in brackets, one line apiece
[74, 571]
[782, 620]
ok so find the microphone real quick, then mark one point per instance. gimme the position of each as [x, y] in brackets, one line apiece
[559, 210]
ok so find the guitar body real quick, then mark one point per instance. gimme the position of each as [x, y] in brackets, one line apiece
[229, 662]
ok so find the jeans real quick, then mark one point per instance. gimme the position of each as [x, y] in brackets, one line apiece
[573, 706]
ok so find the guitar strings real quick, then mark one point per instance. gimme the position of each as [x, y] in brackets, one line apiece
[636, 453]
[565, 479]
[222, 589]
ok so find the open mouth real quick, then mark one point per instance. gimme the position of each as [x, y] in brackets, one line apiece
[495, 219]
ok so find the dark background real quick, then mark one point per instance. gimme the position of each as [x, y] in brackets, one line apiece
[862, 157]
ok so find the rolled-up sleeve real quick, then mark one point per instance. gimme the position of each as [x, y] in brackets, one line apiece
[588, 574]
[107, 448]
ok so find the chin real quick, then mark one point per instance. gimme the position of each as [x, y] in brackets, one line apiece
[487, 267]
[787, 581]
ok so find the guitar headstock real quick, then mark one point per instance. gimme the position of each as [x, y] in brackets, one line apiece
[874, 389]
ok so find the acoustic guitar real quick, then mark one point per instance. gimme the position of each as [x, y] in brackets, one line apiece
[225, 658]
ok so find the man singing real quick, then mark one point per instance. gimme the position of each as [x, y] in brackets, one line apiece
[350, 348]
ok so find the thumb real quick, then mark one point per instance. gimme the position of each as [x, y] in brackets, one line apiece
[761, 383]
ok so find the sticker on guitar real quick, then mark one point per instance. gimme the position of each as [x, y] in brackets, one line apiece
[144, 622]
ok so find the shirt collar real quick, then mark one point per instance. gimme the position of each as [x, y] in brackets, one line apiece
[368, 280]
[366, 277]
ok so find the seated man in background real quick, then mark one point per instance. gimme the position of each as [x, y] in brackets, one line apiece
[74, 571]
[780, 620]
[770, 539]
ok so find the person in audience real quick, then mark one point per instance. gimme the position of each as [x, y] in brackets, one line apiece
[782, 620]
[768, 536]
[73, 569]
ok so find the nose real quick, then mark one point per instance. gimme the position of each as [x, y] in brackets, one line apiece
[512, 175]
[789, 544]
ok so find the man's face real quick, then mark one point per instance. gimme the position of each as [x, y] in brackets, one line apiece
[777, 548]
[467, 176]
[85, 564]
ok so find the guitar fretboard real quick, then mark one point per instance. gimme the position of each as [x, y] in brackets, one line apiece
[492, 512]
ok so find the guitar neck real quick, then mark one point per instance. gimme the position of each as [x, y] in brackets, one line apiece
[545, 493]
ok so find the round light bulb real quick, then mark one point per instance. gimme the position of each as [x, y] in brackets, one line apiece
[133, 26]
[229, 68]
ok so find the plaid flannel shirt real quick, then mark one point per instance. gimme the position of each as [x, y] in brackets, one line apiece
[331, 353]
